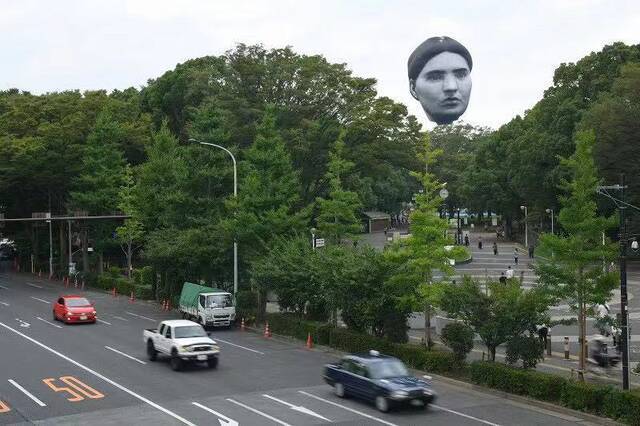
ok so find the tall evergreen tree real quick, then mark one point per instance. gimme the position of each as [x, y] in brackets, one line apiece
[338, 213]
[575, 273]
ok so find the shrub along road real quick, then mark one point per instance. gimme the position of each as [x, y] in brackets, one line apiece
[99, 374]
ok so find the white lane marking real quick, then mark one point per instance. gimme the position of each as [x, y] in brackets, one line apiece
[298, 408]
[258, 412]
[464, 415]
[100, 376]
[348, 409]
[4, 304]
[224, 420]
[103, 321]
[23, 323]
[141, 316]
[125, 355]
[4, 288]
[41, 300]
[237, 346]
[120, 318]
[29, 394]
[50, 323]
[34, 285]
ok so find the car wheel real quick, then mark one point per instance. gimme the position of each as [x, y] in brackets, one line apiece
[176, 362]
[151, 351]
[338, 389]
[382, 404]
[55, 318]
[213, 363]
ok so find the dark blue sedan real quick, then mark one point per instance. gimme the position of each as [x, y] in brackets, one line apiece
[381, 379]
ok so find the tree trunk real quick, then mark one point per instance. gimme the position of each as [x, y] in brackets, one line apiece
[492, 353]
[427, 325]
[85, 252]
[262, 304]
[581, 339]
[63, 245]
[100, 262]
[129, 254]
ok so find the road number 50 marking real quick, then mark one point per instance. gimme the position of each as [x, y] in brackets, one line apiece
[75, 388]
[4, 407]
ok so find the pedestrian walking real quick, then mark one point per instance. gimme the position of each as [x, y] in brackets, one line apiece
[495, 248]
[515, 255]
[531, 249]
[480, 243]
[509, 272]
[503, 278]
[466, 240]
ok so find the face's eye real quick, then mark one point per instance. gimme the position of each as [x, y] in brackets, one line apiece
[434, 75]
[461, 73]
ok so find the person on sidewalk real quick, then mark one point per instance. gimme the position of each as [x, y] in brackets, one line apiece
[466, 240]
[515, 255]
[480, 243]
[495, 248]
[509, 272]
[503, 278]
[531, 249]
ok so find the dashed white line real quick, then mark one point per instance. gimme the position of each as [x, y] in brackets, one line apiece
[35, 285]
[103, 321]
[120, 318]
[50, 323]
[41, 300]
[258, 412]
[348, 409]
[237, 346]
[141, 316]
[125, 355]
[4, 288]
[100, 376]
[4, 304]
[230, 422]
[26, 392]
[457, 413]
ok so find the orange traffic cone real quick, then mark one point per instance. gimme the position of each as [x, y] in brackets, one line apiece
[267, 332]
[113, 292]
[242, 325]
[132, 298]
[309, 341]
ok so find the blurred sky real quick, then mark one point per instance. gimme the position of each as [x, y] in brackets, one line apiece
[107, 44]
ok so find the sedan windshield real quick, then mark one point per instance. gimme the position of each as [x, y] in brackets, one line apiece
[189, 331]
[387, 369]
[77, 302]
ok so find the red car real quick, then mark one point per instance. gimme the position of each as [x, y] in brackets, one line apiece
[74, 309]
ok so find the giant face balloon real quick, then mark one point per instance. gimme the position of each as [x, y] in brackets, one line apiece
[440, 78]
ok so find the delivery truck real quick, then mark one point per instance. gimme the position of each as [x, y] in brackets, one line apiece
[210, 307]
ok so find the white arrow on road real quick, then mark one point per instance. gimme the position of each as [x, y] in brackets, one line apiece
[224, 420]
[23, 323]
[4, 304]
[298, 408]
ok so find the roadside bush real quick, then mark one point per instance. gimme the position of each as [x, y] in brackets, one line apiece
[143, 292]
[246, 304]
[459, 338]
[124, 285]
[526, 348]
[145, 276]
[623, 406]
[584, 396]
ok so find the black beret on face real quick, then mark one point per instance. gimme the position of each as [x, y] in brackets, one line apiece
[431, 47]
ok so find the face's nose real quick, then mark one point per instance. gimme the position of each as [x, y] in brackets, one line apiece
[450, 84]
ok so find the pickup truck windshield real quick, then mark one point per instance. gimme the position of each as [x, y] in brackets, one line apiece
[189, 331]
[220, 300]
[387, 369]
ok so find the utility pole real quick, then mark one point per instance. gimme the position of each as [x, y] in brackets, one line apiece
[623, 288]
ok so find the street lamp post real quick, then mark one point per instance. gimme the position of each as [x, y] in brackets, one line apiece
[50, 246]
[313, 238]
[235, 195]
[550, 211]
[526, 226]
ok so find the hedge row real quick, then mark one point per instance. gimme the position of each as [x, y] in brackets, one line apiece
[596, 399]
[349, 341]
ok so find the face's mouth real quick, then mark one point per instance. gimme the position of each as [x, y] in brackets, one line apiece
[451, 101]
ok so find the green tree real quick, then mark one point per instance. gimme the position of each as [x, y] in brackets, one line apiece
[497, 314]
[575, 273]
[428, 250]
[338, 215]
[96, 189]
[131, 232]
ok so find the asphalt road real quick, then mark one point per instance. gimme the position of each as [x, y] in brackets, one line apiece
[98, 374]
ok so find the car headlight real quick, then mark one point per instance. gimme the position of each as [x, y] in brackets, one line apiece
[184, 349]
[215, 348]
[94, 313]
[69, 314]
[399, 394]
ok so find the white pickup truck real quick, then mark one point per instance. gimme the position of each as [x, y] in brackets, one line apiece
[183, 341]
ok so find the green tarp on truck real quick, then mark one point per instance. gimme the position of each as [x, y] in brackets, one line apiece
[190, 292]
